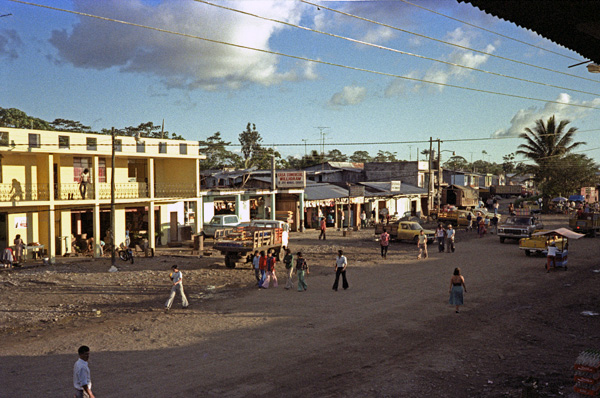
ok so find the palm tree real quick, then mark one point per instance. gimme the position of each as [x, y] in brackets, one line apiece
[547, 144]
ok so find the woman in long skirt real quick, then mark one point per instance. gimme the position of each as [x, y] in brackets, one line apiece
[457, 288]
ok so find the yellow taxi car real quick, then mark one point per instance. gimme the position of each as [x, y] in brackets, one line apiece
[410, 230]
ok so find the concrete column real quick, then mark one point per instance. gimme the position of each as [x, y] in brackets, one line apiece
[96, 225]
[51, 232]
[301, 200]
[65, 231]
[96, 166]
[238, 204]
[273, 206]
[376, 211]
[119, 232]
[198, 223]
[151, 225]
[151, 180]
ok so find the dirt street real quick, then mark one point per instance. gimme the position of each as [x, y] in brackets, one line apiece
[392, 334]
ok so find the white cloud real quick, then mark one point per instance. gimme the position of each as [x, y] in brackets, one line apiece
[10, 43]
[350, 95]
[527, 117]
[443, 73]
[179, 61]
[379, 35]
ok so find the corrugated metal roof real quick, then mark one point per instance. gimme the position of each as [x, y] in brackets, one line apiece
[569, 23]
[324, 191]
[382, 188]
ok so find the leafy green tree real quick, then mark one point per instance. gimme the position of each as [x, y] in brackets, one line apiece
[508, 166]
[250, 140]
[217, 156]
[360, 157]
[571, 173]
[457, 163]
[385, 156]
[547, 144]
[70, 125]
[16, 118]
[335, 155]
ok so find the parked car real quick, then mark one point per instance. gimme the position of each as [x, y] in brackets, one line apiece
[408, 230]
[539, 244]
[220, 221]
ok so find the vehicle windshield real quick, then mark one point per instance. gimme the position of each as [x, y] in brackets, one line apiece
[416, 226]
[518, 221]
[215, 220]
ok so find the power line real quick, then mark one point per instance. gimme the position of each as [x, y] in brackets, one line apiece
[307, 59]
[393, 49]
[492, 32]
[447, 43]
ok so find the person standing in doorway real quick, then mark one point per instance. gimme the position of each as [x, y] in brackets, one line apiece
[288, 261]
[177, 279]
[341, 263]
[323, 227]
[82, 380]
[363, 219]
[422, 244]
[457, 288]
[18, 249]
[302, 271]
[384, 240]
[84, 180]
[450, 234]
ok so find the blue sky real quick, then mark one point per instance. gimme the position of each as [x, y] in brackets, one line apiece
[59, 65]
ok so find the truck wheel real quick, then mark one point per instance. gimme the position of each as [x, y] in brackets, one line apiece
[229, 262]
[501, 239]
[527, 253]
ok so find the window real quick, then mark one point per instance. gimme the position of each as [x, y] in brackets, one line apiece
[162, 147]
[91, 144]
[118, 145]
[183, 149]
[80, 164]
[140, 147]
[3, 138]
[34, 140]
[64, 142]
[101, 170]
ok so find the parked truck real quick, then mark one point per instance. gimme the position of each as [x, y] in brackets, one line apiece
[238, 243]
[585, 223]
[521, 225]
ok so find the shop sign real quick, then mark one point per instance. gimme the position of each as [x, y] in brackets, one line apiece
[395, 186]
[357, 190]
[291, 179]
[20, 222]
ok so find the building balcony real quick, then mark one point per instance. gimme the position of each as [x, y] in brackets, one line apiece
[17, 192]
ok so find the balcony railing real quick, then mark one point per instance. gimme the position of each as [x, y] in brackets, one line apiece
[17, 192]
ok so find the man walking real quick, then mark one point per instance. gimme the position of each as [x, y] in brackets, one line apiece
[450, 233]
[302, 271]
[288, 261]
[256, 265]
[323, 227]
[177, 278]
[384, 239]
[270, 271]
[82, 380]
[341, 262]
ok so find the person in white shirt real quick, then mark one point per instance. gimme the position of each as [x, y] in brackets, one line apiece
[81, 374]
[341, 262]
[551, 256]
[450, 234]
[84, 180]
[177, 278]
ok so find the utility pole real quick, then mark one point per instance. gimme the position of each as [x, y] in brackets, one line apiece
[113, 267]
[430, 182]
[321, 128]
[410, 153]
[439, 178]
[304, 140]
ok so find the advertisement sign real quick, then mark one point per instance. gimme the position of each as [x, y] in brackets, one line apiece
[395, 186]
[20, 222]
[291, 179]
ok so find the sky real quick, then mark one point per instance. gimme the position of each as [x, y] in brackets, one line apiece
[366, 90]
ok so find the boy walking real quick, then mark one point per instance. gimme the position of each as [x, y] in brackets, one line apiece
[177, 278]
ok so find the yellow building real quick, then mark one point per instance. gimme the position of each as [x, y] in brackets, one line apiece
[43, 200]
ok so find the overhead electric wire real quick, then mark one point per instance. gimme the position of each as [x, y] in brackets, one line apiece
[304, 58]
[492, 32]
[445, 42]
[392, 49]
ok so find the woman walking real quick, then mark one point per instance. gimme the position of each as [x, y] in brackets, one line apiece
[440, 234]
[18, 249]
[302, 271]
[457, 289]
[422, 245]
[270, 271]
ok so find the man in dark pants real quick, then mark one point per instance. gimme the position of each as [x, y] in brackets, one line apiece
[340, 268]
[323, 227]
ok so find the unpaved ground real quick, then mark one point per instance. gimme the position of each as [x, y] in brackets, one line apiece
[391, 334]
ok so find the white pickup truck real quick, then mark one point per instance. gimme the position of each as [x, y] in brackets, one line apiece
[220, 221]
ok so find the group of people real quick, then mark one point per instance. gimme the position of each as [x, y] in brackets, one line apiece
[264, 269]
[445, 238]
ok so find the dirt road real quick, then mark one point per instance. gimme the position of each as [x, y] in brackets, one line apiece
[392, 334]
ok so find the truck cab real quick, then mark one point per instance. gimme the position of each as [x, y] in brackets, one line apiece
[220, 221]
[519, 226]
